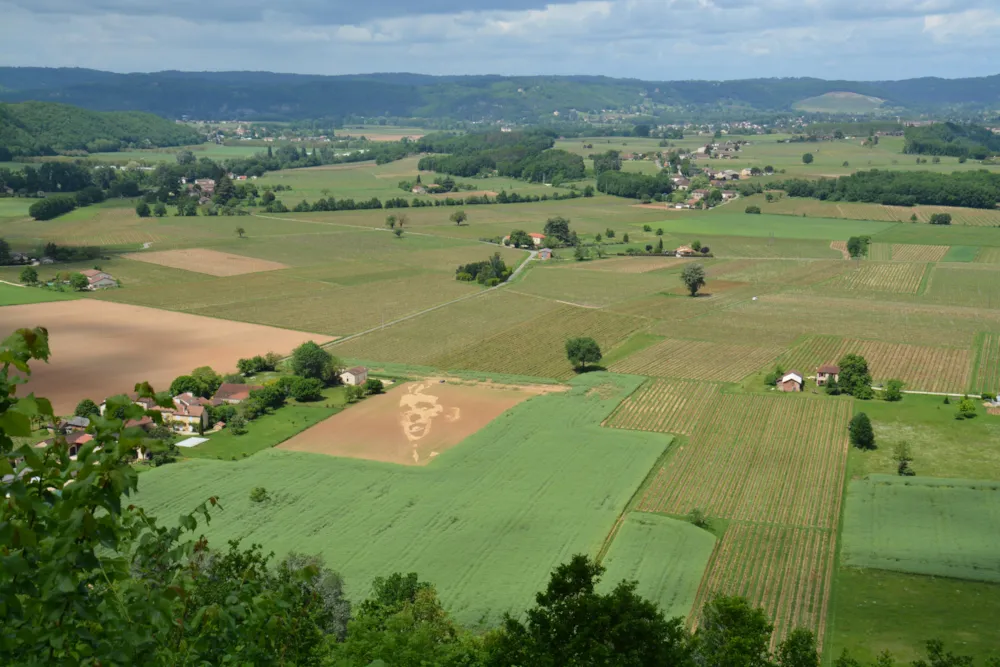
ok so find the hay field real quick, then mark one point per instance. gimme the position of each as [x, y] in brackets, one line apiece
[666, 556]
[939, 527]
[212, 262]
[796, 206]
[411, 424]
[100, 348]
[486, 521]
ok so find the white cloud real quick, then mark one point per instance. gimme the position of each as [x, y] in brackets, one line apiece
[962, 26]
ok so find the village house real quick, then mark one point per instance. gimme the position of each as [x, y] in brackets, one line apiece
[699, 194]
[98, 279]
[72, 425]
[544, 253]
[418, 190]
[681, 183]
[746, 173]
[790, 381]
[207, 185]
[233, 394]
[355, 376]
[827, 372]
[685, 251]
[729, 194]
[537, 238]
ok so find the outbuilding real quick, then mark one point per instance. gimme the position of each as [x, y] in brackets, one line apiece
[355, 376]
[790, 381]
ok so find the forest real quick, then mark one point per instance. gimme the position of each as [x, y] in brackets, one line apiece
[526, 155]
[46, 128]
[966, 140]
[973, 189]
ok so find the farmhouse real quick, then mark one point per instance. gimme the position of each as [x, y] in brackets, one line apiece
[827, 372]
[699, 194]
[207, 185]
[418, 190]
[355, 376]
[790, 381]
[98, 279]
[729, 194]
[72, 424]
[537, 238]
[685, 251]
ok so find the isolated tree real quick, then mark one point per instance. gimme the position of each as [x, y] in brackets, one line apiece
[903, 456]
[398, 231]
[733, 634]
[159, 209]
[693, 277]
[582, 351]
[967, 408]
[893, 390]
[241, 232]
[572, 624]
[402, 219]
[309, 360]
[86, 408]
[520, 239]
[769, 197]
[855, 378]
[940, 219]
[142, 210]
[29, 276]
[861, 432]
[625, 238]
[752, 210]
[857, 246]
[807, 158]
[390, 221]
[558, 228]
[79, 282]
[374, 386]
[913, 218]
[458, 217]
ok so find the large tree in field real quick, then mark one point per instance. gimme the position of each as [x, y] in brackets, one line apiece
[582, 351]
[309, 360]
[855, 378]
[29, 276]
[693, 277]
[861, 431]
[807, 158]
[86, 408]
[558, 228]
[857, 246]
[572, 624]
[458, 217]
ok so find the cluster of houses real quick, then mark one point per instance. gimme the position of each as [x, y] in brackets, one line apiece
[793, 380]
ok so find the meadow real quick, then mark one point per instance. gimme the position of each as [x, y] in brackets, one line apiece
[485, 521]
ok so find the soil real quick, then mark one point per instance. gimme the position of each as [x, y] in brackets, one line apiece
[211, 262]
[101, 348]
[842, 247]
[413, 423]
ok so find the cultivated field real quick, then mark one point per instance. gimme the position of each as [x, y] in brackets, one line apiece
[212, 262]
[939, 527]
[537, 347]
[666, 556]
[487, 522]
[940, 369]
[771, 459]
[632, 264]
[411, 424]
[886, 277]
[795, 206]
[668, 406]
[100, 349]
[787, 570]
[986, 371]
[698, 360]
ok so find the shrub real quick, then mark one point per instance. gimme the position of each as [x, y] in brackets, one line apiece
[238, 424]
[940, 219]
[306, 389]
[374, 386]
[967, 408]
[752, 210]
[698, 518]
[893, 390]
[259, 494]
[861, 432]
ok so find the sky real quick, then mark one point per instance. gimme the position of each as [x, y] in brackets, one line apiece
[656, 40]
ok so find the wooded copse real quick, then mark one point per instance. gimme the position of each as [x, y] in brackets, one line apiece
[954, 139]
[525, 155]
[973, 189]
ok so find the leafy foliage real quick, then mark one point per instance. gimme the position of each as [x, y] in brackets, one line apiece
[633, 185]
[861, 432]
[693, 277]
[583, 351]
[973, 189]
[309, 360]
[855, 378]
[970, 141]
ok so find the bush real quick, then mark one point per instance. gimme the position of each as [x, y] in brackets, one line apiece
[374, 386]
[861, 432]
[940, 219]
[967, 408]
[259, 494]
[698, 518]
[51, 207]
[306, 389]
[893, 390]
[752, 210]
[238, 424]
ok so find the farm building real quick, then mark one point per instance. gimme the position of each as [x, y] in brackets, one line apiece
[681, 183]
[685, 251]
[355, 376]
[827, 372]
[790, 381]
[699, 194]
[545, 253]
[537, 238]
[98, 279]
[729, 194]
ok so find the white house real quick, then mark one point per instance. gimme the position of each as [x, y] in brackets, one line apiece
[355, 376]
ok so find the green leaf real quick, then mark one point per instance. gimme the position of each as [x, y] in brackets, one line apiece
[15, 423]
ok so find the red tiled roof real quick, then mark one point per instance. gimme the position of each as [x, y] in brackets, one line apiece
[829, 368]
[357, 370]
[536, 235]
[235, 392]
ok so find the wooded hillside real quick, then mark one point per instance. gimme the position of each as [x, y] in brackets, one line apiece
[972, 141]
[47, 128]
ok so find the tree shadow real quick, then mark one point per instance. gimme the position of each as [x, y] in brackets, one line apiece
[589, 369]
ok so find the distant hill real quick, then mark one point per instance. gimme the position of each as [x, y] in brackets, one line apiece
[952, 139]
[46, 128]
[271, 96]
[840, 102]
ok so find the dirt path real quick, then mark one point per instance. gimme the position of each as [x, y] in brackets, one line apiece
[9, 283]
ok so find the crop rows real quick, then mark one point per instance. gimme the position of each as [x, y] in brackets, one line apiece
[921, 368]
[987, 371]
[537, 347]
[698, 360]
[668, 406]
[890, 277]
[988, 255]
[880, 252]
[910, 252]
[786, 570]
[759, 458]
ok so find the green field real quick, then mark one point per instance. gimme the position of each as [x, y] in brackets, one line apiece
[11, 295]
[666, 556]
[486, 521]
[726, 220]
[933, 526]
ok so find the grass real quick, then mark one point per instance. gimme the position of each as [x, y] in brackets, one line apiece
[266, 431]
[961, 253]
[876, 610]
[941, 445]
[668, 557]
[923, 525]
[16, 296]
[726, 220]
[485, 522]
[635, 343]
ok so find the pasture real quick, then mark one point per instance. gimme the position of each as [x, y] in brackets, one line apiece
[939, 527]
[14, 295]
[486, 521]
[100, 349]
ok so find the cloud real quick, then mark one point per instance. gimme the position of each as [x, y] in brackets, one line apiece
[648, 39]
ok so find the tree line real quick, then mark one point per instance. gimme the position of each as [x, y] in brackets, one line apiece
[527, 155]
[972, 189]
[954, 139]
